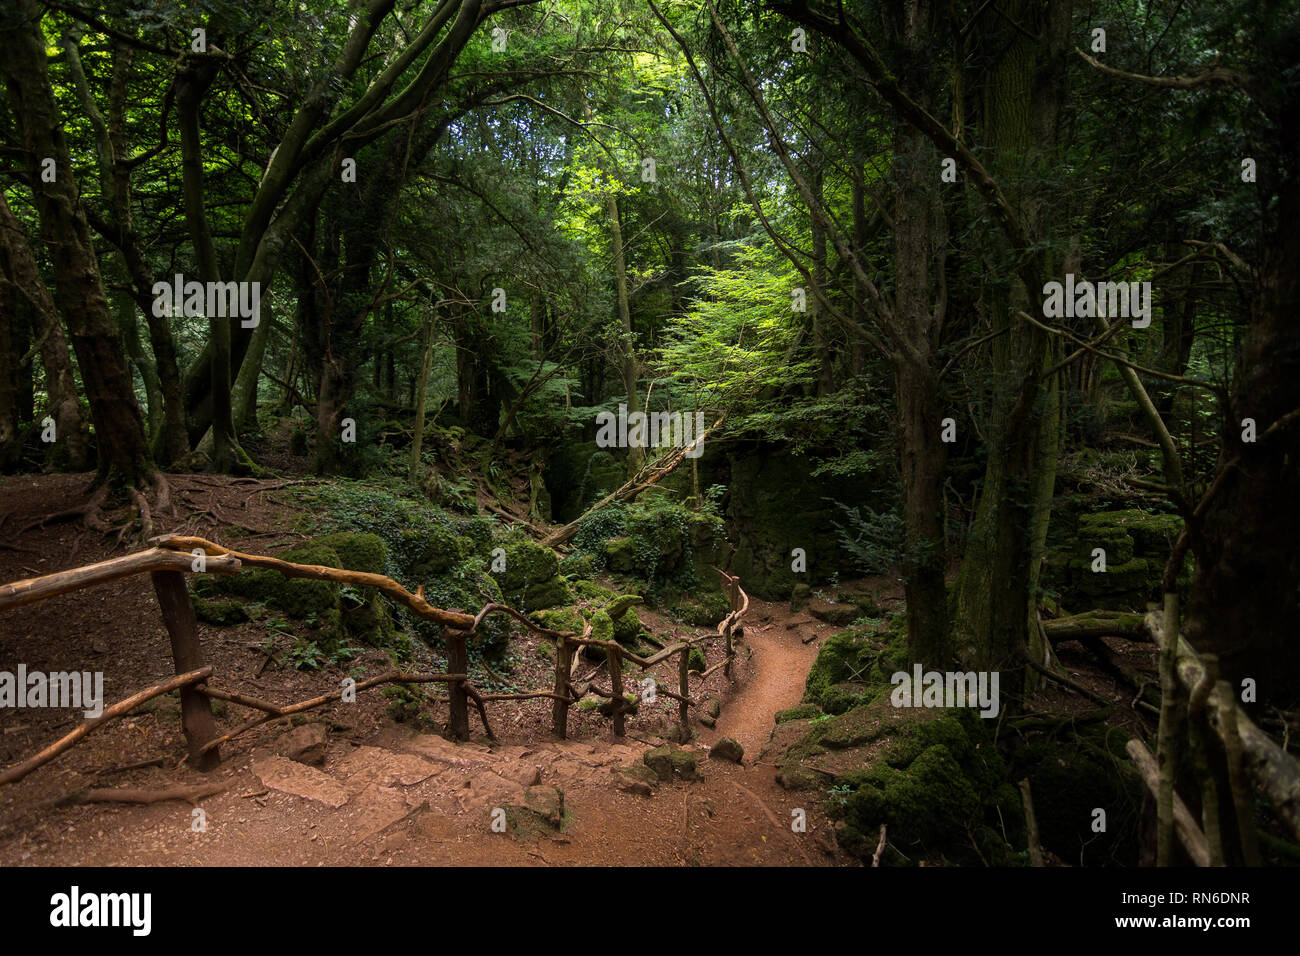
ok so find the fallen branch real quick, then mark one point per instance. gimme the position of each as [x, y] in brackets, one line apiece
[1097, 624]
[1189, 834]
[18, 771]
[190, 794]
[1031, 825]
[649, 475]
[1276, 772]
[272, 712]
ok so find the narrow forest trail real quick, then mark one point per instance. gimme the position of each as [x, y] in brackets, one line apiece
[397, 797]
[384, 793]
[778, 668]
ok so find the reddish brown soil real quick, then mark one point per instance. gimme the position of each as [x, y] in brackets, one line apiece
[734, 815]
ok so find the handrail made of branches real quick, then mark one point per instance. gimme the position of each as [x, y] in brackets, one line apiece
[173, 555]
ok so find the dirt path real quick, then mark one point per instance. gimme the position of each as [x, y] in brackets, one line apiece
[384, 794]
[779, 667]
[396, 797]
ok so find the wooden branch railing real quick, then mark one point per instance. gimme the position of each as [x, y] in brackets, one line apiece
[1209, 712]
[155, 559]
[175, 554]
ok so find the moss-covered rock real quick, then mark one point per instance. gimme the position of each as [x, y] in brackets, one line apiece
[602, 628]
[696, 661]
[1072, 777]
[668, 762]
[298, 597]
[867, 657]
[701, 609]
[356, 552]
[844, 696]
[530, 579]
[798, 712]
[931, 776]
[371, 622]
[628, 628]
[621, 605]
[220, 613]
[1137, 545]
[839, 615]
[864, 601]
[592, 592]
[930, 801]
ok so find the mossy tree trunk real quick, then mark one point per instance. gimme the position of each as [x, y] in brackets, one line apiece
[1018, 104]
[78, 291]
[25, 294]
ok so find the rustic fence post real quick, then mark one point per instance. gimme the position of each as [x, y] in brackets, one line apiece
[457, 663]
[732, 585]
[616, 687]
[560, 708]
[183, 629]
[683, 707]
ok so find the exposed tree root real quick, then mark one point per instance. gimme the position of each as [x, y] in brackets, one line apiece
[90, 513]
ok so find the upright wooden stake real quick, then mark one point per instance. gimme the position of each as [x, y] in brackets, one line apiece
[560, 708]
[616, 687]
[457, 663]
[731, 650]
[684, 708]
[183, 629]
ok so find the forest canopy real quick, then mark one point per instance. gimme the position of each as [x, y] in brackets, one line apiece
[977, 294]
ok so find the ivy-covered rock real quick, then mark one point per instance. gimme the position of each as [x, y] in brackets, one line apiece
[577, 567]
[621, 555]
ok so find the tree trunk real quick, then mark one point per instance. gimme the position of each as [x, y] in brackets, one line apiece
[1243, 601]
[192, 84]
[79, 292]
[627, 346]
[922, 456]
[421, 390]
[169, 441]
[994, 599]
[28, 295]
[919, 238]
